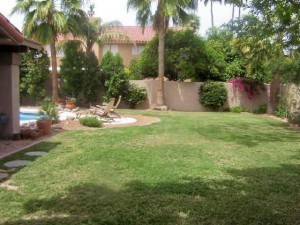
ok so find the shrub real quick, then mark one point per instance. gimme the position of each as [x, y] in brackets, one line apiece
[134, 70]
[50, 110]
[212, 94]
[90, 122]
[185, 56]
[114, 78]
[91, 79]
[294, 118]
[262, 109]
[135, 95]
[34, 72]
[237, 109]
[72, 72]
[249, 86]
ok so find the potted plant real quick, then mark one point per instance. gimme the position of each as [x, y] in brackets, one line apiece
[70, 103]
[44, 124]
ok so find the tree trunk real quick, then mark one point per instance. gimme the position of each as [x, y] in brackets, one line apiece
[239, 13]
[232, 17]
[274, 94]
[212, 13]
[161, 66]
[54, 70]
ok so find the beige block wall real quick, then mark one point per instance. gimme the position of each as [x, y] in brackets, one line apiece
[183, 96]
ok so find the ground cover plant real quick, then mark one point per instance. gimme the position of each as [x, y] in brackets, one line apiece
[190, 168]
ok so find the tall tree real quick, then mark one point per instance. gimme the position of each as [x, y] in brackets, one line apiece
[177, 10]
[44, 20]
[211, 9]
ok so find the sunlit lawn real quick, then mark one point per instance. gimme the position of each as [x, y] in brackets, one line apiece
[190, 168]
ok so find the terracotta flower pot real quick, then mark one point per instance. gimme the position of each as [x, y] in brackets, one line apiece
[70, 105]
[44, 126]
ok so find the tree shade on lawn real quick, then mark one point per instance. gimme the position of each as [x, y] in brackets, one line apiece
[190, 168]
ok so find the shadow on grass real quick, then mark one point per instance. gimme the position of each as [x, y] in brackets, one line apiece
[42, 146]
[253, 196]
[250, 134]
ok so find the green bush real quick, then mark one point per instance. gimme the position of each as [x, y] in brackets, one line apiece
[262, 109]
[34, 72]
[135, 95]
[50, 110]
[72, 72]
[90, 122]
[237, 109]
[134, 70]
[294, 118]
[114, 77]
[185, 56]
[212, 94]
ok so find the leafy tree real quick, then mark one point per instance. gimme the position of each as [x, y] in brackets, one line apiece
[44, 20]
[92, 79]
[177, 10]
[72, 69]
[185, 56]
[134, 70]
[113, 75]
[34, 72]
[223, 63]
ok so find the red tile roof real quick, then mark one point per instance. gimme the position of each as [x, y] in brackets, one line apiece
[11, 36]
[136, 33]
[7, 27]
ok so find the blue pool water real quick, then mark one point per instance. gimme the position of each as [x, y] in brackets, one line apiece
[28, 116]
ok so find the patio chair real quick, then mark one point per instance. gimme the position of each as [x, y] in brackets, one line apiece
[103, 112]
[113, 109]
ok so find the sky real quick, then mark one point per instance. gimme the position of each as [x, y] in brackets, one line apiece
[117, 10]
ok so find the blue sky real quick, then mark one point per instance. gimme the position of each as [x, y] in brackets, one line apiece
[117, 10]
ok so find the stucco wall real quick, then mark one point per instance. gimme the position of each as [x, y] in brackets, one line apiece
[183, 96]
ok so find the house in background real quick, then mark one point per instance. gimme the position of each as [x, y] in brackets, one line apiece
[129, 49]
[12, 44]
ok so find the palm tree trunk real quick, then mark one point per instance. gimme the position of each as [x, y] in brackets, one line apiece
[233, 7]
[54, 70]
[274, 92]
[239, 13]
[212, 13]
[161, 66]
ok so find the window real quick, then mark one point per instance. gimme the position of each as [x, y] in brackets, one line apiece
[137, 50]
[113, 48]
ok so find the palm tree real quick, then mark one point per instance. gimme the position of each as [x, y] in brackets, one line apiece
[92, 31]
[44, 20]
[177, 10]
[211, 9]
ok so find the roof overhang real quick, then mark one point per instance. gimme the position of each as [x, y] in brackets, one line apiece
[12, 40]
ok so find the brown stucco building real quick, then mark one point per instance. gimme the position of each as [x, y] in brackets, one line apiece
[12, 44]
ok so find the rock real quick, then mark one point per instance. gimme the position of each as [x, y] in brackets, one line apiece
[75, 110]
[17, 163]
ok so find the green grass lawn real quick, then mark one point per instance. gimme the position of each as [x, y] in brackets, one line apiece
[190, 168]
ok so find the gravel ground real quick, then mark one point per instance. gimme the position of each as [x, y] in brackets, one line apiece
[8, 147]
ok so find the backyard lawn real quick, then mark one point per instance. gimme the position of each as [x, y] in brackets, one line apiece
[190, 168]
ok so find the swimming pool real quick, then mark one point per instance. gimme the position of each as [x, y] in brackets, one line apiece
[29, 116]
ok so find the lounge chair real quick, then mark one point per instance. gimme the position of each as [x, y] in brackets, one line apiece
[113, 109]
[103, 112]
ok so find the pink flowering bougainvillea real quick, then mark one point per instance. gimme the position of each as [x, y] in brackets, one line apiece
[249, 86]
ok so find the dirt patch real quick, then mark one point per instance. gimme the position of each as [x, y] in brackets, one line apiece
[8, 147]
